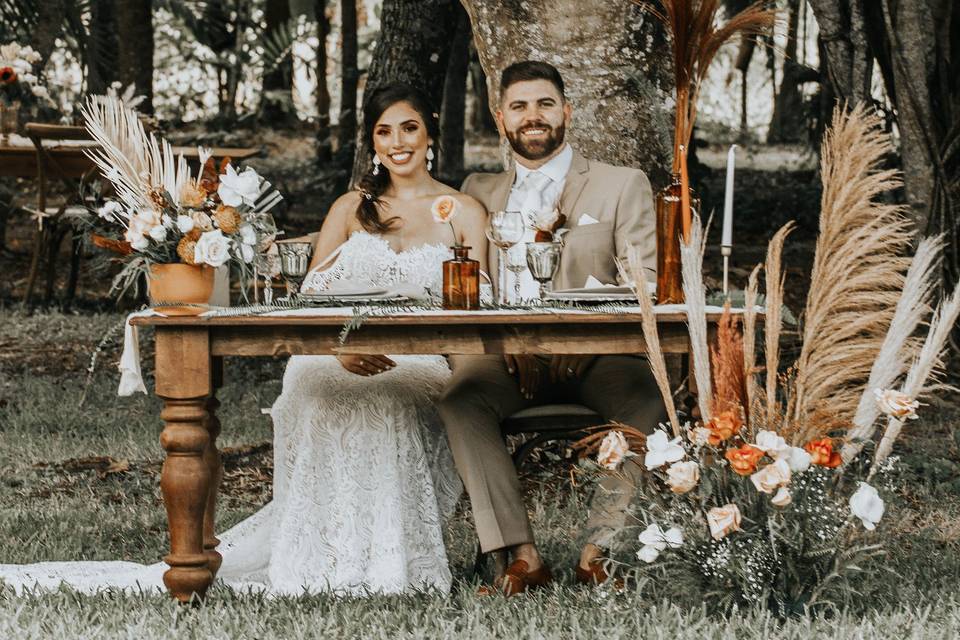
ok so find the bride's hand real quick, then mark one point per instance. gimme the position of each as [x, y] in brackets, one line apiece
[366, 365]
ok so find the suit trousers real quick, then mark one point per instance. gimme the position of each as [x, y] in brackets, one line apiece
[482, 393]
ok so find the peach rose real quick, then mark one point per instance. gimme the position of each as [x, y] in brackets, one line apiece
[772, 476]
[445, 209]
[783, 498]
[723, 426]
[744, 459]
[613, 450]
[822, 453]
[723, 520]
[683, 476]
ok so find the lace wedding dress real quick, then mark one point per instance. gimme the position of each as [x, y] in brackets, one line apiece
[363, 475]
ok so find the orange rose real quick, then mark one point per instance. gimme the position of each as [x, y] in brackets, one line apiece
[723, 426]
[822, 453]
[744, 459]
[8, 75]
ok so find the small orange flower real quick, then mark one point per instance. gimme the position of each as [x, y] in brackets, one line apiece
[723, 426]
[186, 249]
[8, 75]
[822, 453]
[227, 218]
[744, 459]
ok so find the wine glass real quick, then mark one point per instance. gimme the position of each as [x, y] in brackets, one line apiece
[504, 229]
[294, 263]
[543, 258]
[516, 264]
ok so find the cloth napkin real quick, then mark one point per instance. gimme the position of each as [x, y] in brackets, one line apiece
[131, 380]
[593, 283]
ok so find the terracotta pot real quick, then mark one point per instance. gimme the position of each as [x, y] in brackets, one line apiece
[181, 283]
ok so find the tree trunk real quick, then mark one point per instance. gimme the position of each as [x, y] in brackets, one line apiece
[135, 48]
[481, 120]
[453, 112]
[845, 41]
[102, 46]
[349, 78]
[323, 139]
[277, 98]
[614, 61]
[414, 47]
[787, 122]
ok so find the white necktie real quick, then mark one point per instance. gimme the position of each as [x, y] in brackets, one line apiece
[534, 184]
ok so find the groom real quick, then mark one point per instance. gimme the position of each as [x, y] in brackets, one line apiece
[607, 210]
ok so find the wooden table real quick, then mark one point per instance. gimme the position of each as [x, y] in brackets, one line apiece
[21, 160]
[189, 370]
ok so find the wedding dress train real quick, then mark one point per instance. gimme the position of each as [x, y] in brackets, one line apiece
[363, 475]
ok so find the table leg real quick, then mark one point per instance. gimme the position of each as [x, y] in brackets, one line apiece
[184, 383]
[211, 457]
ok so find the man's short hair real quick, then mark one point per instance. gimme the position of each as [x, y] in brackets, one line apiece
[531, 70]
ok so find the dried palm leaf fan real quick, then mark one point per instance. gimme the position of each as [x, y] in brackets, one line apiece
[696, 34]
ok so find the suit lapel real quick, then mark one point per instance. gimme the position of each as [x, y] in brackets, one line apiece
[573, 186]
[501, 193]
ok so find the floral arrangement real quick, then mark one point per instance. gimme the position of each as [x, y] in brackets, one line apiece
[16, 73]
[162, 213]
[774, 495]
[547, 224]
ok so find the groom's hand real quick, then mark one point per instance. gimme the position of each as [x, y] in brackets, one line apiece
[528, 371]
[569, 367]
[366, 365]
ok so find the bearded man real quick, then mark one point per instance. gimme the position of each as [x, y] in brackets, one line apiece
[607, 209]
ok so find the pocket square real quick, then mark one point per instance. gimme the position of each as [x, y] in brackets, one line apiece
[585, 219]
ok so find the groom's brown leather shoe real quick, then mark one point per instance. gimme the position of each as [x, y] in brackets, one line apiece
[595, 575]
[519, 579]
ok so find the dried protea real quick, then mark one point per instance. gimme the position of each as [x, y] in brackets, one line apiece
[227, 219]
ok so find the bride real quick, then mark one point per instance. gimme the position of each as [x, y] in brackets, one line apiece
[363, 475]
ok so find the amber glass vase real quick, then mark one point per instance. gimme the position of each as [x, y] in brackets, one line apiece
[669, 228]
[461, 281]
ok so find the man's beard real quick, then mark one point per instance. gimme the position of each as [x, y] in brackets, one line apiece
[537, 150]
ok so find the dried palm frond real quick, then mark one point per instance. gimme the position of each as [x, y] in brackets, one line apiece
[136, 163]
[650, 334]
[773, 318]
[858, 272]
[927, 370]
[691, 262]
[729, 381]
[749, 343]
[696, 35]
[899, 348]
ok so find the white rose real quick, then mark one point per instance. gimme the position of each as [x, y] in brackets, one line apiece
[867, 505]
[896, 404]
[647, 553]
[201, 220]
[683, 476]
[782, 498]
[158, 233]
[772, 443]
[661, 450]
[654, 536]
[773, 475]
[213, 248]
[184, 224]
[247, 253]
[237, 189]
[248, 235]
[798, 459]
[723, 520]
[613, 449]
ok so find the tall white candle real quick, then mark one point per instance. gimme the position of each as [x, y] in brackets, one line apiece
[727, 238]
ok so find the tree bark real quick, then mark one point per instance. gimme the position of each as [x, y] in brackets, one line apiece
[135, 48]
[349, 78]
[787, 122]
[453, 112]
[481, 120]
[414, 47]
[614, 61]
[844, 38]
[323, 138]
[102, 47]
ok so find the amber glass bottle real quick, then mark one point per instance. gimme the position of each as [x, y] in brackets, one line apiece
[669, 228]
[461, 281]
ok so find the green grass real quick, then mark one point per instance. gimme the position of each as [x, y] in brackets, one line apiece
[54, 505]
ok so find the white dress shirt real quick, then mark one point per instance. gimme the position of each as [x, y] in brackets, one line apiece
[520, 199]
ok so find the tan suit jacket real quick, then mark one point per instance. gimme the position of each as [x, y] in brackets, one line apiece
[619, 198]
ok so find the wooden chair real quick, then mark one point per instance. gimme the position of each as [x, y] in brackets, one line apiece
[54, 223]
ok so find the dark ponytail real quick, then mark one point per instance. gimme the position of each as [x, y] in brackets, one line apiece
[372, 186]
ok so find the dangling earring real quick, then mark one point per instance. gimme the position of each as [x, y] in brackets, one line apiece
[376, 164]
[429, 158]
